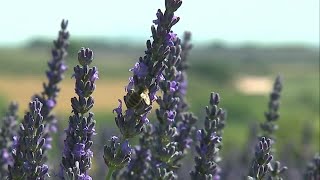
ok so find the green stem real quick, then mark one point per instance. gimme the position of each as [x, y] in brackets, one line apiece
[110, 172]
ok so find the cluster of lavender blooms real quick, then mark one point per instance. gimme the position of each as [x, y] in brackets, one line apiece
[7, 132]
[76, 158]
[47, 99]
[313, 169]
[161, 136]
[28, 146]
[210, 139]
[163, 143]
[261, 160]
[147, 75]
[269, 126]
[262, 166]
[185, 120]
[55, 74]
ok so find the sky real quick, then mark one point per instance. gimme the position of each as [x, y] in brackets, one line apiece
[232, 21]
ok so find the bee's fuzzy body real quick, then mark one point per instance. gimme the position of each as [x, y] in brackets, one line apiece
[135, 99]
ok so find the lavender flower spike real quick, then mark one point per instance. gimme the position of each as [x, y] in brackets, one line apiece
[57, 67]
[260, 163]
[164, 148]
[147, 73]
[269, 126]
[7, 132]
[76, 160]
[164, 152]
[313, 169]
[206, 166]
[143, 85]
[28, 147]
[184, 120]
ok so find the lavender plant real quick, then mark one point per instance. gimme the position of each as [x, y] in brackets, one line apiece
[7, 131]
[76, 159]
[184, 121]
[269, 127]
[141, 161]
[164, 148]
[162, 144]
[209, 139]
[161, 137]
[55, 75]
[28, 147]
[142, 87]
[260, 163]
[313, 169]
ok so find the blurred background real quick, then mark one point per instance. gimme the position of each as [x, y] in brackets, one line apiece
[239, 49]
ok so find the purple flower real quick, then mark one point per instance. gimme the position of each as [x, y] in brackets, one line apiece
[26, 166]
[170, 115]
[47, 144]
[84, 177]
[187, 143]
[8, 132]
[5, 154]
[147, 76]
[183, 87]
[199, 135]
[118, 110]
[159, 16]
[174, 86]
[15, 141]
[117, 154]
[160, 77]
[209, 142]
[262, 158]
[55, 75]
[51, 103]
[130, 85]
[170, 38]
[76, 160]
[78, 150]
[153, 93]
[125, 147]
[140, 69]
[95, 76]
[62, 68]
[216, 177]
[145, 119]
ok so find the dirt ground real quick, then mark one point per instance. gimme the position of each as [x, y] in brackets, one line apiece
[21, 89]
[254, 85]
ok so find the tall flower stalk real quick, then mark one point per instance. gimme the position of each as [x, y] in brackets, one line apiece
[272, 115]
[161, 138]
[164, 148]
[7, 131]
[260, 163]
[55, 74]
[312, 171]
[269, 126]
[142, 87]
[28, 146]
[76, 160]
[185, 120]
[209, 138]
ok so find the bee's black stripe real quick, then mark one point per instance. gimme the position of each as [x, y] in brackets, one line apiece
[133, 100]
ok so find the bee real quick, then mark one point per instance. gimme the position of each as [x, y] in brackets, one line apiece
[137, 98]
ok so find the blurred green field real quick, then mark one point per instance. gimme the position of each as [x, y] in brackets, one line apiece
[212, 68]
